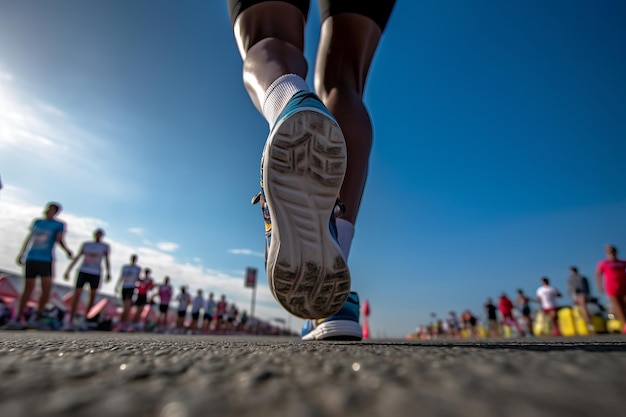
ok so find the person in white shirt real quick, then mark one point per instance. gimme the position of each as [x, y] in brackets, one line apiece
[196, 306]
[127, 284]
[89, 272]
[183, 302]
[547, 295]
[209, 313]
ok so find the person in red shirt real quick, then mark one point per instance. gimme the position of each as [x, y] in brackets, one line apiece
[614, 286]
[144, 285]
[505, 305]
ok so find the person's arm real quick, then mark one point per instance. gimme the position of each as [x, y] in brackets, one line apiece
[20, 256]
[118, 284]
[599, 282]
[107, 264]
[61, 241]
[66, 276]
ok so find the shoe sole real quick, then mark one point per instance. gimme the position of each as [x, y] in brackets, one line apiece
[345, 330]
[304, 165]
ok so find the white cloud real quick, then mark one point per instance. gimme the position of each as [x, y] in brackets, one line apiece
[35, 130]
[247, 252]
[50, 109]
[5, 76]
[16, 215]
[167, 246]
[136, 231]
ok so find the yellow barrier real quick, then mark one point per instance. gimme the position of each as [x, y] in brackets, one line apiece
[614, 326]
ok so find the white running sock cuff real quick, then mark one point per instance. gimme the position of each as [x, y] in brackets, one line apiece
[345, 234]
[278, 95]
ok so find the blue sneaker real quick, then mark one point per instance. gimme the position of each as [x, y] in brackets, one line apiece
[342, 326]
[302, 169]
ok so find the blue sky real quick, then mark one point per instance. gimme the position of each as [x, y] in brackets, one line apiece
[499, 151]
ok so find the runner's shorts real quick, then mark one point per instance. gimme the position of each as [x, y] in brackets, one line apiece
[127, 293]
[377, 10]
[141, 300]
[85, 278]
[34, 269]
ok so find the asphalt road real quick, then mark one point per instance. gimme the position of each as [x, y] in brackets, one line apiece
[105, 374]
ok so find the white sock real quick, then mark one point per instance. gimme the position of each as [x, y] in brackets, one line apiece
[345, 234]
[278, 95]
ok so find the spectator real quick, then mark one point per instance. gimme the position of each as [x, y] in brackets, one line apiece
[578, 290]
[505, 305]
[492, 318]
[614, 272]
[523, 303]
[546, 296]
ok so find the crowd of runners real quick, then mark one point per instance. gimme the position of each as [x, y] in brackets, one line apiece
[145, 305]
[515, 316]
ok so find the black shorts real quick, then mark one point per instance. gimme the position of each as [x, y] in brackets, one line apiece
[182, 313]
[85, 278]
[127, 293]
[526, 311]
[163, 308]
[377, 10]
[207, 317]
[195, 316]
[141, 300]
[34, 269]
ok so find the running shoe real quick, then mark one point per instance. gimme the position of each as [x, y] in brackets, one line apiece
[302, 169]
[342, 326]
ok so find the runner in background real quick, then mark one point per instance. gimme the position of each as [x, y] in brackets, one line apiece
[183, 302]
[523, 303]
[89, 273]
[547, 295]
[165, 296]
[505, 305]
[209, 313]
[580, 293]
[196, 305]
[144, 286]
[125, 286]
[37, 257]
[613, 270]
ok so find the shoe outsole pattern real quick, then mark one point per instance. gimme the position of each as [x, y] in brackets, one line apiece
[304, 166]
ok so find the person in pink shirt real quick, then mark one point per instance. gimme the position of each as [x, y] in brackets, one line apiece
[165, 296]
[614, 284]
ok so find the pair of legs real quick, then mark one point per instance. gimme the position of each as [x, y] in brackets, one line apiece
[29, 286]
[494, 329]
[510, 321]
[206, 323]
[270, 37]
[34, 269]
[127, 300]
[163, 308]
[140, 304]
[618, 307]
[94, 282]
[528, 321]
[580, 302]
[553, 316]
[180, 319]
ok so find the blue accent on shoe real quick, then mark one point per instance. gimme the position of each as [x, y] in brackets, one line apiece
[300, 100]
[342, 326]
